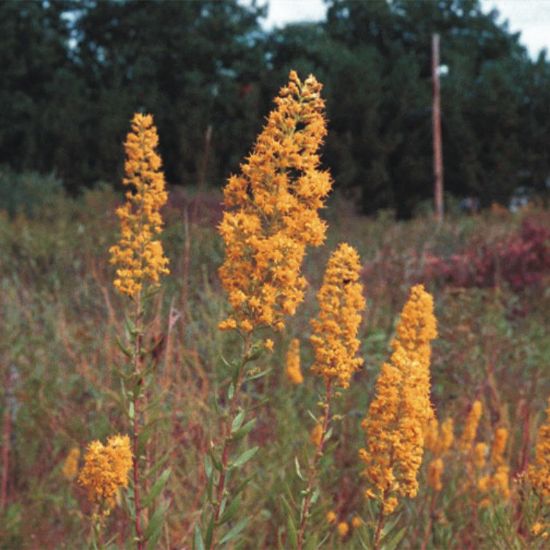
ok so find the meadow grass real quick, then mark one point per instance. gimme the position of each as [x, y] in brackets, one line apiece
[60, 316]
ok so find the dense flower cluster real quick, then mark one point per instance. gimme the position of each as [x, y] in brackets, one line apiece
[70, 466]
[293, 371]
[341, 301]
[106, 469]
[539, 471]
[271, 211]
[401, 410]
[139, 256]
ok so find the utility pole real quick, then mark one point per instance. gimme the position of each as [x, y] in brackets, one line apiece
[436, 122]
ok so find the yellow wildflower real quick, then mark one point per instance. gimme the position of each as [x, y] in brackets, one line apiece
[539, 471]
[293, 371]
[316, 435]
[138, 255]
[356, 522]
[106, 469]
[470, 427]
[439, 439]
[70, 466]
[268, 344]
[272, 208]
[401, 409]
[341, 301]
[480, 454]
[343, 529]
[435, 470]
[484, 484]
[500, 481]
[499, 446]
[331, 516]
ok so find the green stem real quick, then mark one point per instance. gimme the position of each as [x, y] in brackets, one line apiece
[136, 363]
[226, 430]
[313, 466]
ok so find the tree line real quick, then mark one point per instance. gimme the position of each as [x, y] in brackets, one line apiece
[74, 72]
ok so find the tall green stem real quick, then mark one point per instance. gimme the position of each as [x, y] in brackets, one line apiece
[313, 466]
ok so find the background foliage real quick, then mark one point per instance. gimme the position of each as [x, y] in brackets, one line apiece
[73, 73]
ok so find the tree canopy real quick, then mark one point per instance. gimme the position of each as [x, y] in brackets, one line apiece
[74, 72]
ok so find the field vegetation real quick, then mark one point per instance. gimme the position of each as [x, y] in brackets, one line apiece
[273, 374]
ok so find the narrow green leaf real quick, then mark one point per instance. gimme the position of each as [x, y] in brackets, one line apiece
[157, 487]
[131, 412]
[198, 542]
[245, 457]
[292, 539]
[241, 432]
[234, 531]
[230, 510]
[394, 540]
[298, 470]
[155, 524]
[208, 466]
[237, 421]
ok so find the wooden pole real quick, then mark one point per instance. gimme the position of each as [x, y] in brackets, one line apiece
[436, 120]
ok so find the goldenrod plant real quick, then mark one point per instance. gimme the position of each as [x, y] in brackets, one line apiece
[270, 218]
[140, 263]
[103, 475]
[335, 346]
[399, 414]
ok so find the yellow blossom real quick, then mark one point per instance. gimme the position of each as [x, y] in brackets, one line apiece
[268, 344]
[293, 371]
[343, 529]
[138, 255]
[539, 470]
[435, 470]
[470, 427]
[401, 410]
[341, 301]
[70, 466]
[439, 438]
[500, 481]
[106, 469]
[316, 435]
[271, 213]
[499, 446]
[331, 516]
[356, 522]
[480, 454]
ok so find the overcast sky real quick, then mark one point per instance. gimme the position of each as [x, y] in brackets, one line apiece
[531, 17]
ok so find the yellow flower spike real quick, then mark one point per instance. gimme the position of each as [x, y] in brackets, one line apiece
[268, 344]
[70, 466]
[343, 529]
[335, 330]
[470, 427]
[539, 470]
[499, 446]
[401, 412]
[435, 471]
[271, 213]
[139, 256]
[480, 455]
[106, 469]
[293, 370]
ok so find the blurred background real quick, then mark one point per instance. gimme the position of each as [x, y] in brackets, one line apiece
[74, 72]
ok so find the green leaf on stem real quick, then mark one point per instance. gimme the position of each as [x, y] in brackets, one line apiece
[198, 543]
[244, 457]
[157, 488]
[241, 432]
[237, 422]
[234, 531]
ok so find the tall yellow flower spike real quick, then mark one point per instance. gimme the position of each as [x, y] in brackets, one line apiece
[293, 371]
[539, 471]
[70, 466]
[401, 411]
[106, 469]
[138, 255]
[470, 427]
[271, 213]
[341, 302]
